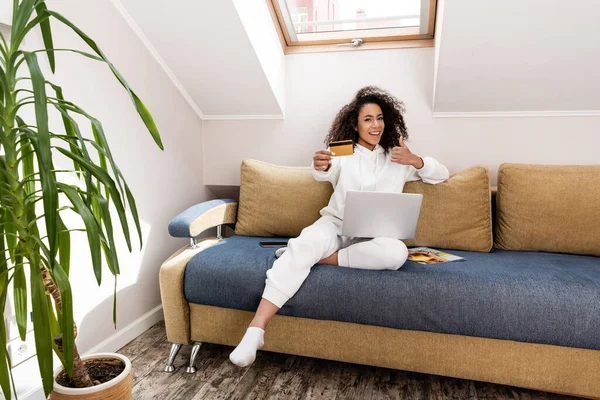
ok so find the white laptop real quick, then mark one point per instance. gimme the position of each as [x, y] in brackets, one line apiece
[379, 214]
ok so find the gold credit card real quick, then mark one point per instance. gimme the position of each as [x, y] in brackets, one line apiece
[342, 147]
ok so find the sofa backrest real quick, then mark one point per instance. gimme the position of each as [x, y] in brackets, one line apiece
[281, 201]
[536, 207]
[548, 208]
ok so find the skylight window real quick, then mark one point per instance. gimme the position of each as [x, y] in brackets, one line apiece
[354, 23]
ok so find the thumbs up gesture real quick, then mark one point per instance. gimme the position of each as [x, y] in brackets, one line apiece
[402, 155]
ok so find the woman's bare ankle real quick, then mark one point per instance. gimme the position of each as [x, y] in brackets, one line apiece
[259, 324]
[331, 260]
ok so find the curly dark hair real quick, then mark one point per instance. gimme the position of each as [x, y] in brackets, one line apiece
[346, 120]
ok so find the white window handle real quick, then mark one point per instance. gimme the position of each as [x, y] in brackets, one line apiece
[353, 43]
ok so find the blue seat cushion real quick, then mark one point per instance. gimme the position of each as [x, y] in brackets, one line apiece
[533, 297]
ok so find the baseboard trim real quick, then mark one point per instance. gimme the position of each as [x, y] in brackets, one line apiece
[517, 114]
[112, 343]
[234, 117]
[130, 332]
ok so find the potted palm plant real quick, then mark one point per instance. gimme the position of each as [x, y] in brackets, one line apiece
[33, 191]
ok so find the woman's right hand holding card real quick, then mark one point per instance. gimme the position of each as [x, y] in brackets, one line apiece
[322, 160]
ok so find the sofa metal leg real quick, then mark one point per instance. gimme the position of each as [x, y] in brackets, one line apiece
[174, 350]
[191, 368]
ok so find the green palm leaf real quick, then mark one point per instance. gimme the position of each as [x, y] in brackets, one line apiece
[107, 181]
[91, 226]
[21, 14]
[41, 143]
[41, 10]
[68, 123]
[140, 107]
[41, 326]
[68, 335]
[20, 295]
[64, 246]
[4, 358]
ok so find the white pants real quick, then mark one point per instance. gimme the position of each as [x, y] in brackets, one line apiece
[320, 240]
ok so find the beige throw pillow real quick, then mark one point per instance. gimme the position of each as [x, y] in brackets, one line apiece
[548, 208]
[277, 200]
[456, 214]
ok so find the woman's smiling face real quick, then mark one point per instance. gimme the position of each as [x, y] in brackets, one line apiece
[370, 125]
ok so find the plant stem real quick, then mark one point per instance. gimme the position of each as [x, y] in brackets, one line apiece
[80, 377]
[54, 292]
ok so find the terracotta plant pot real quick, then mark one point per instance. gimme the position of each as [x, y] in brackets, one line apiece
[118, 388]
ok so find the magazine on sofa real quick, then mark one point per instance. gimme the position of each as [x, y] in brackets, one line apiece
[426, 255]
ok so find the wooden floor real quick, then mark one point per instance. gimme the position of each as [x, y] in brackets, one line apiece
[281, 376]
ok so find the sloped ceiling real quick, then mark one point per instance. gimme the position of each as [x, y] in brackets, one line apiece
[514, 55]
[204, 44]
[492, 56]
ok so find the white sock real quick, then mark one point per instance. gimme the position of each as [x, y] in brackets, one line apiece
[245, 353]
[280, 251]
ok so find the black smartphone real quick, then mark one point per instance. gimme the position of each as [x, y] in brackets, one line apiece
[272, 244]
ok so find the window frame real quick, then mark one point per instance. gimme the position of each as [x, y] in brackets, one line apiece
[369, 40]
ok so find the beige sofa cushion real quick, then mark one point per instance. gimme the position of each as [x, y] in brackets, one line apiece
[548, 208]
[277, 200]
[456, 214]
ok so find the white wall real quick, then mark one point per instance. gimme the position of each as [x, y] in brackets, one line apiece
[5, 14]
[513, 55]
[164, 183]
[318, 85]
